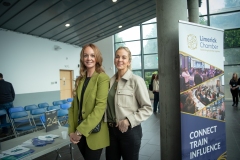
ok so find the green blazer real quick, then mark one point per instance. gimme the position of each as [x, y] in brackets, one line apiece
[93, 107]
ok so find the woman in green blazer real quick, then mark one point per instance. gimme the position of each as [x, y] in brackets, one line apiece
[91, 90]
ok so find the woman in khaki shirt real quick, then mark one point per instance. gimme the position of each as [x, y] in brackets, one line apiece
[128, 105]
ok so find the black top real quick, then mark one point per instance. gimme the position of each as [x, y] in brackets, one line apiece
[197, 79]
[82, 94]
[7, 93]
[233, 83]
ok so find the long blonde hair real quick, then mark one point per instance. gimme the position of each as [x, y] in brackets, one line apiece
[83, 68]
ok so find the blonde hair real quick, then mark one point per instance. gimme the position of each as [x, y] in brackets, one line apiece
[83, 68]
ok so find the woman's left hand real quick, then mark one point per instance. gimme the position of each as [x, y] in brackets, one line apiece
[123, 125]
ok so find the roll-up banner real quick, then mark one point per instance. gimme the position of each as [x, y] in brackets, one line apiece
[201, 92]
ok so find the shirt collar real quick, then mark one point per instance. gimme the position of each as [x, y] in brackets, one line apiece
[127, 75]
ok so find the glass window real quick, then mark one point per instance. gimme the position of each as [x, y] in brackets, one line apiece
[148, 76]
[225, 21]
[232, 56]
[151, 61]
[216, 6]
[139, 73]
[150, 46]
[135, 46]
[232, 38]
[136, 62]
[151, 21]
[128, 34]
[203, 8]
[149, 31]
[228, 72]
[203, 20]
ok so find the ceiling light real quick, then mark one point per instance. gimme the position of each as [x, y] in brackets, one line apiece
[67, 25]
[119, 26]
[114, 0]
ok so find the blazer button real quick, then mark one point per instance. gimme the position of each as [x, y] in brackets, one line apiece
[83, 112]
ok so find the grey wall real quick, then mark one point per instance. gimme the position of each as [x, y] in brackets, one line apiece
[35, 98]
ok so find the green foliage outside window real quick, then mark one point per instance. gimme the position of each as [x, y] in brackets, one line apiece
[232, 38]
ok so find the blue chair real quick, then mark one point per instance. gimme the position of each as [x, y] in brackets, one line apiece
[70, 99]
[64, 101]
[53, 107]
[43, 105]
[55, 103]
[23, 127]
[18, 109]
[36, 113]
[65, 106]
[63, 117]
[43, 120]
[30, 107]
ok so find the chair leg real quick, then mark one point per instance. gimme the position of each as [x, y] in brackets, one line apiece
[71, 153]
[58, 154]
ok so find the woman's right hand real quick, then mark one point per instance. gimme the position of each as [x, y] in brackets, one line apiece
[74, 138]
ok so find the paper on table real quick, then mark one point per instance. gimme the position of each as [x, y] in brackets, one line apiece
[3, 155]
[16, 150]
[53, 135]
[45, 138]
[27, 143]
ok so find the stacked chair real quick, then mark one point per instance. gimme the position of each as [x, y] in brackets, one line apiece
[43, 105]
[20, 121]
[31, 117]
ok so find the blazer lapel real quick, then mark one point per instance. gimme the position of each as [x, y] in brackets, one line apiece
[90, 87]
[80, 85]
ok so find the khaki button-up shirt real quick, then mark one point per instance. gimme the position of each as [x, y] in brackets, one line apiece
[131, 99]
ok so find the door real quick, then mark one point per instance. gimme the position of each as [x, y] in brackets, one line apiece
[66, 84]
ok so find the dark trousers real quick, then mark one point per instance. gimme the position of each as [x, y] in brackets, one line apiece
[155, 101]
[235, 96]
[87, 153]
[3, 120]
[125, 145]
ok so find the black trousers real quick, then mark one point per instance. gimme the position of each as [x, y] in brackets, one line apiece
[125, 145]
[235, 96]
[87, 153]
[155, 101]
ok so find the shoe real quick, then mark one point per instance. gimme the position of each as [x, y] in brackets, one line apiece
[236, 105]
[233, 104]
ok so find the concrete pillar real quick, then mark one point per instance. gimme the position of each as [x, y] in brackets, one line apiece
[168, 14]
[193, 11]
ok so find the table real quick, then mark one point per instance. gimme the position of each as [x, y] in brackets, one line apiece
[39, 151]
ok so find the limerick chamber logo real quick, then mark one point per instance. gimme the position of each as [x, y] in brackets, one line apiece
[192, 41]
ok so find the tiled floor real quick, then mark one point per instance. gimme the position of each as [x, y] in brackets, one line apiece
[150, 147]
[232, 131]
